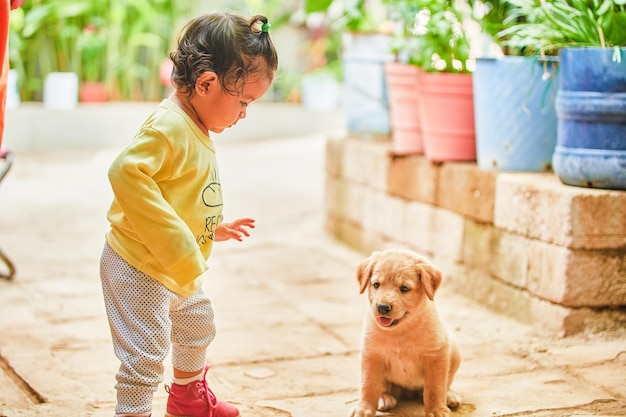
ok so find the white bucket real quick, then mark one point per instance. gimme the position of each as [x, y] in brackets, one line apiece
[60, 91]
[13, 95]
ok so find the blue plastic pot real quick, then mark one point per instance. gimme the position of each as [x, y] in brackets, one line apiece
[514, 111]
[591, 112]
[365, 101]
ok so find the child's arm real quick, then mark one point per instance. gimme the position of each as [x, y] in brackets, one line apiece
[233, 230]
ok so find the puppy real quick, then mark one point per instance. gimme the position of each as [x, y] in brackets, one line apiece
[405, 346]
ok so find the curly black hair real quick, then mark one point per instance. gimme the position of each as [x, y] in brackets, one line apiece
[226, 43]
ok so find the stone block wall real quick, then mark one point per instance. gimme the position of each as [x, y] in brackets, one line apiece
[523, 244]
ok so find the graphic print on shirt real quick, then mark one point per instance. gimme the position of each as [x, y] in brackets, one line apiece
[212, 199]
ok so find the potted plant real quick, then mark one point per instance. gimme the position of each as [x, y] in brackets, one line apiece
[513, 95]
[403, 93]
[365, 47]
[42, 43]
[433, 38]
[320, 81]
[91, 45]
[591, 100]
[402, 80]
[138, 36]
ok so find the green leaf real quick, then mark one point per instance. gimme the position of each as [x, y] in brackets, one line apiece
[312, 6]
[73, 9]
[604, 7]
[35, 19]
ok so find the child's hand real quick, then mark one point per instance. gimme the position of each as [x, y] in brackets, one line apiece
[233, 230]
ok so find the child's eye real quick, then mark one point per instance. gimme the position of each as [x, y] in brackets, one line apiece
[243, 104]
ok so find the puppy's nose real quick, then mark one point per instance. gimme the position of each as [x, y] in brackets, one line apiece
[383, 308]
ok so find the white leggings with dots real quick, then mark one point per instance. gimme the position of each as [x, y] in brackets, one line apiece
[145, 318]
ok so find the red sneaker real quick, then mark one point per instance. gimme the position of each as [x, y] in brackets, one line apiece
[196, 400]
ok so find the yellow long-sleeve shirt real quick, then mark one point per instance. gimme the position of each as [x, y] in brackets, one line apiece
[167, 200]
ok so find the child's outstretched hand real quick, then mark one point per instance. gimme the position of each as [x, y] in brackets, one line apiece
[233, 230]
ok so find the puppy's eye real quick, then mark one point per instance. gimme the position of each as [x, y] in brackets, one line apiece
[376, 284]
[404, 288]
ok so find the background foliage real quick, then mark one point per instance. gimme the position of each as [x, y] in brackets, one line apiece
[553, 24]
[119, 42]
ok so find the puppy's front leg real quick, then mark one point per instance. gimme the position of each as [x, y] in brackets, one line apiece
[436, 387]
[372, 387]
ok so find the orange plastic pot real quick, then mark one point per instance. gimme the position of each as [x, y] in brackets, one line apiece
[402, 91]
[447, 115]
[92, 92]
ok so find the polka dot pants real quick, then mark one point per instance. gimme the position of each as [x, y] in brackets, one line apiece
[145, 319]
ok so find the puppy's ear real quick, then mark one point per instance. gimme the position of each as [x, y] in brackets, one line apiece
[364, 273]
[431, 278]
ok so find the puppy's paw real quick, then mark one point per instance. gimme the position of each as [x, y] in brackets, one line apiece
[439, 412]
[453, 400]
[363, 410]
[387, 402]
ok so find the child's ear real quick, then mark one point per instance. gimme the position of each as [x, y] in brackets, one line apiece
[205, 81]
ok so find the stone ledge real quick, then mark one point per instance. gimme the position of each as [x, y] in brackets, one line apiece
[469, 191]
[366, 162]
[413, 179]
[524, 244]
[543, 315]
[541, 207]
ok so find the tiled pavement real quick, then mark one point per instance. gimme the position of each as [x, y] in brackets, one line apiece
[287, 305]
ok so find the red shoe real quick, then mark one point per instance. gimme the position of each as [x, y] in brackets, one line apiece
[196, 400]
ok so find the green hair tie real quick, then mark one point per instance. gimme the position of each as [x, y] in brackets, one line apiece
[265, 27]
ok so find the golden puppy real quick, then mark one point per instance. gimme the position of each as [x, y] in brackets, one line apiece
[405, 346]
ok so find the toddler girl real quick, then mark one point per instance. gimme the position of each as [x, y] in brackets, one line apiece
[167, 212]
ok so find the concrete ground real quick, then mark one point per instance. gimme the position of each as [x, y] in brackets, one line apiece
[287, 305]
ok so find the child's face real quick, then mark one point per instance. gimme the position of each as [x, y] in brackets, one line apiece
[218, 110]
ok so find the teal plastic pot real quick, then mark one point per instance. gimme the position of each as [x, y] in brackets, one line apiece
[515, 116]
[591, 111]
